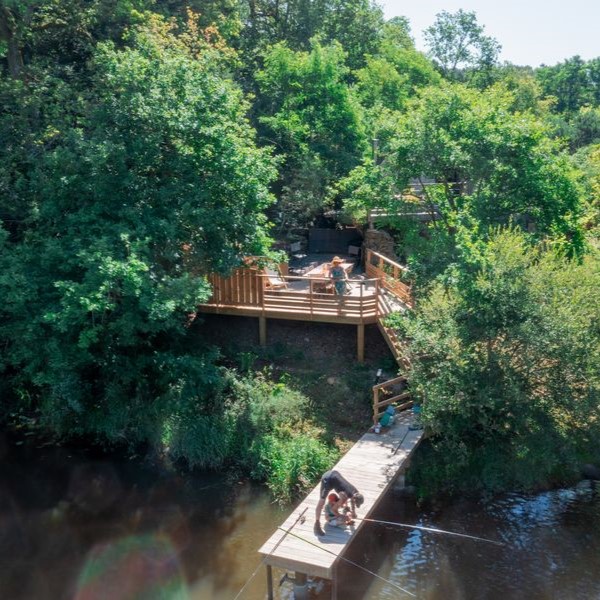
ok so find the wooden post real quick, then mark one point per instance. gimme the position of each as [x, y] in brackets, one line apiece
[362, 319]
[310, 296]
[270, 583]
[262, 330]
[300, 586]
[334, 585]
[375, 403]
[360, 342]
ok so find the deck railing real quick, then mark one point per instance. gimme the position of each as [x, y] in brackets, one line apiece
[251, 288]
[361, 304]
[295, 295]
[389, 273]
[382, 399]
[244, 287]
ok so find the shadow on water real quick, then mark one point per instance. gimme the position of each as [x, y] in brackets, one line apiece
[77, 526]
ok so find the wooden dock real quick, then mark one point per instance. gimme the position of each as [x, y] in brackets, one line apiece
[372, 465]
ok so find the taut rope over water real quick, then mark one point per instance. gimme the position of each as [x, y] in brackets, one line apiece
[433, 530]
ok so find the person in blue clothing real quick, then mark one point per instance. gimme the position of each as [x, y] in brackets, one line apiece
[339, 276]
[334, 481]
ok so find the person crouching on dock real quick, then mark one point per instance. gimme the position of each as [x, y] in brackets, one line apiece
[334, 481]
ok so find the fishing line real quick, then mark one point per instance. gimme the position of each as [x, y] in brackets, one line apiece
[433, 530]
[301, 517]
[353, 564]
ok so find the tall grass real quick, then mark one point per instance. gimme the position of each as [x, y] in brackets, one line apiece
[257, 425]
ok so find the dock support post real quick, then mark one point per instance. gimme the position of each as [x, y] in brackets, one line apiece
[360, 343]
[300, 586]
[334, 586]
[270, 583]
[262, 330]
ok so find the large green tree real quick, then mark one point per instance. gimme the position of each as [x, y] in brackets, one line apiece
[459, 47]
[395, 71]
[489, 162]
[573, 83]
[506, 360]
[314, 120]
[356, 24]
[117, 201]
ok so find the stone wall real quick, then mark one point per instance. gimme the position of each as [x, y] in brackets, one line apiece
[380, 241]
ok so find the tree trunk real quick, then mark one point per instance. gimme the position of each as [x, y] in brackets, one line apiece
[7, 33]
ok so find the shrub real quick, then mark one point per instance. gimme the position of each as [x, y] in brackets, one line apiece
[291, 462]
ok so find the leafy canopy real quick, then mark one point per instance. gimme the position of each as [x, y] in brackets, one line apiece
[457, 44]
[506, 355]
[122, 198]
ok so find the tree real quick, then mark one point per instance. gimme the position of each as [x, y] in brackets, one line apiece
[311, 116]
[508, 372]
[490, 163]
[396, 71]
[567, 82]
[356, 24]
[588, 160]
[127, 195]
[457, 44]
[62, 34]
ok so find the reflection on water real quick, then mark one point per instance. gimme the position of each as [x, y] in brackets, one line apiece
[81, 527]
[551, 551]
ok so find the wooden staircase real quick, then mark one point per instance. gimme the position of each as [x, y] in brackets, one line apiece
[395, 297]
[395, 344]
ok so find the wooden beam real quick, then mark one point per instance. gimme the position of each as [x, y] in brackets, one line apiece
[270, 583]
[360, 342]
[390, 382]
[262, 331]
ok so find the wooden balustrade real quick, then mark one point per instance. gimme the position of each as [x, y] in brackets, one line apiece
[389, 273]
[243, 287]
[294, 296]
[249, 290]
[382, 388]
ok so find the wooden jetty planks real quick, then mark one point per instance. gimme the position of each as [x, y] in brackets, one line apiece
[371, 465]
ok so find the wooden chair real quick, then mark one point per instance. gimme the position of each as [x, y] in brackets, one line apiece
[274, 279]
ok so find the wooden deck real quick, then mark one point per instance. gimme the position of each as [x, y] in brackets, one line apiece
[248, 291]
[371, 465]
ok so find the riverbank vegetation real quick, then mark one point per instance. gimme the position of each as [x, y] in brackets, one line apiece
[144, 144]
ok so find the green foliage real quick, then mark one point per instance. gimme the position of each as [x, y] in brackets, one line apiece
[292, 464]
[395, 71]
[574, 83]
[256, 425]
[459, 48]
[491, 164]
[507, 361]
[366, 187]
[314, 120]
[588, 160]
[130, 170]
[580, 129]
[355, 24]
[117, 202]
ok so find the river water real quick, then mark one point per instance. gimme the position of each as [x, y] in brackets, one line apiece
[78, 526]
